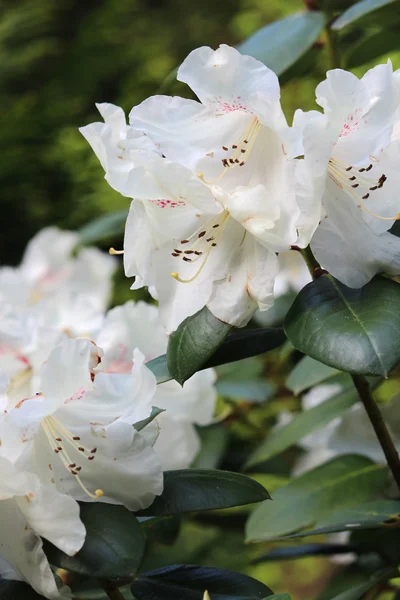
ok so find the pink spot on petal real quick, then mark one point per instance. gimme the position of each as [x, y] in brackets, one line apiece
[168, 203]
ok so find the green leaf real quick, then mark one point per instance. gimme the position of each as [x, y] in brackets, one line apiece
[202, 489]
[372, 46]
[252, 390]
[302, 551]
[282, 43]
[103, 228]
[354, 330]
[301, 425]
[340, 483]
[368, 515]
[114, 544]
[16, 590]
[193, 343]
[358, 592]
[158, 366]
[189, 582]
[155, 411]
[237, 346]
[355, 12]
[161, 529]
[308, 373]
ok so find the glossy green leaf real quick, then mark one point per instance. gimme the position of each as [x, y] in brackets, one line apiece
[354, 330]
[359, 591]
[302, 424]
[17, 590]
[253, 390]
[190, 490]
[189, 582]
[193, 344]
[358, 10]
[342, 482]
[308, 373]
[280, 44]
[103, 228]
[114, 544]
[239, 345]
[371, 47]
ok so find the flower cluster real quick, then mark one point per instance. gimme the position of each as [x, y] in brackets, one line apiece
[221, 185]
[78, 419]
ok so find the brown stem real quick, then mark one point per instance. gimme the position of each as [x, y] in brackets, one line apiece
[379, 425]
[112, 592]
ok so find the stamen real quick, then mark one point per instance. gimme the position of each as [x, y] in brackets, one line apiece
[335, 172]
[52, 426]
[113, 251]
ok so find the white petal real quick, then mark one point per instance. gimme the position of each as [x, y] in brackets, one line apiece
[194, 402]
[346, 246]
[229, 81]
[68, 369]
[178, 443]
[248, 286]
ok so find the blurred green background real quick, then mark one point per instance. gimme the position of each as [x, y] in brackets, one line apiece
[60, 57]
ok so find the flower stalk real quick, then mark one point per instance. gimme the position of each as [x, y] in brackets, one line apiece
[112, 592]
[379, 425]
[310, 260]
[331, 46]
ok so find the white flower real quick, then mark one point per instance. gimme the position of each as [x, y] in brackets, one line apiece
[351, 158]
[213, 212]
[77, 431]
[29, 510]
[138, 325]
[48, 270]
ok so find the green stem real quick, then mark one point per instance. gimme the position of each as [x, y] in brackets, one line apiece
[310, 260]
[331, 46]
[379, 425]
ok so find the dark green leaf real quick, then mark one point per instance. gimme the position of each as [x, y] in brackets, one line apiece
[383, 541]
[281, 43]
[307, 373]
[103, 228]
[336, 5]
[245, 343]
[16, 590]
[114, 544]
[252, 390]
[237, 346]
[371, 47]
[358, 10]
[301, 425]
[340, 483]
[294, 552]
[155, 411]
[202, 489]
[161, 529]
[359, 591]
[189, 582]
[193, 344]
[354, 330]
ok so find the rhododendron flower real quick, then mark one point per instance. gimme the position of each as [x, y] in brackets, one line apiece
[215, 197]
[353, 158]
[29, 510]
[77, 431]
[48, 270]
[132, 325]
